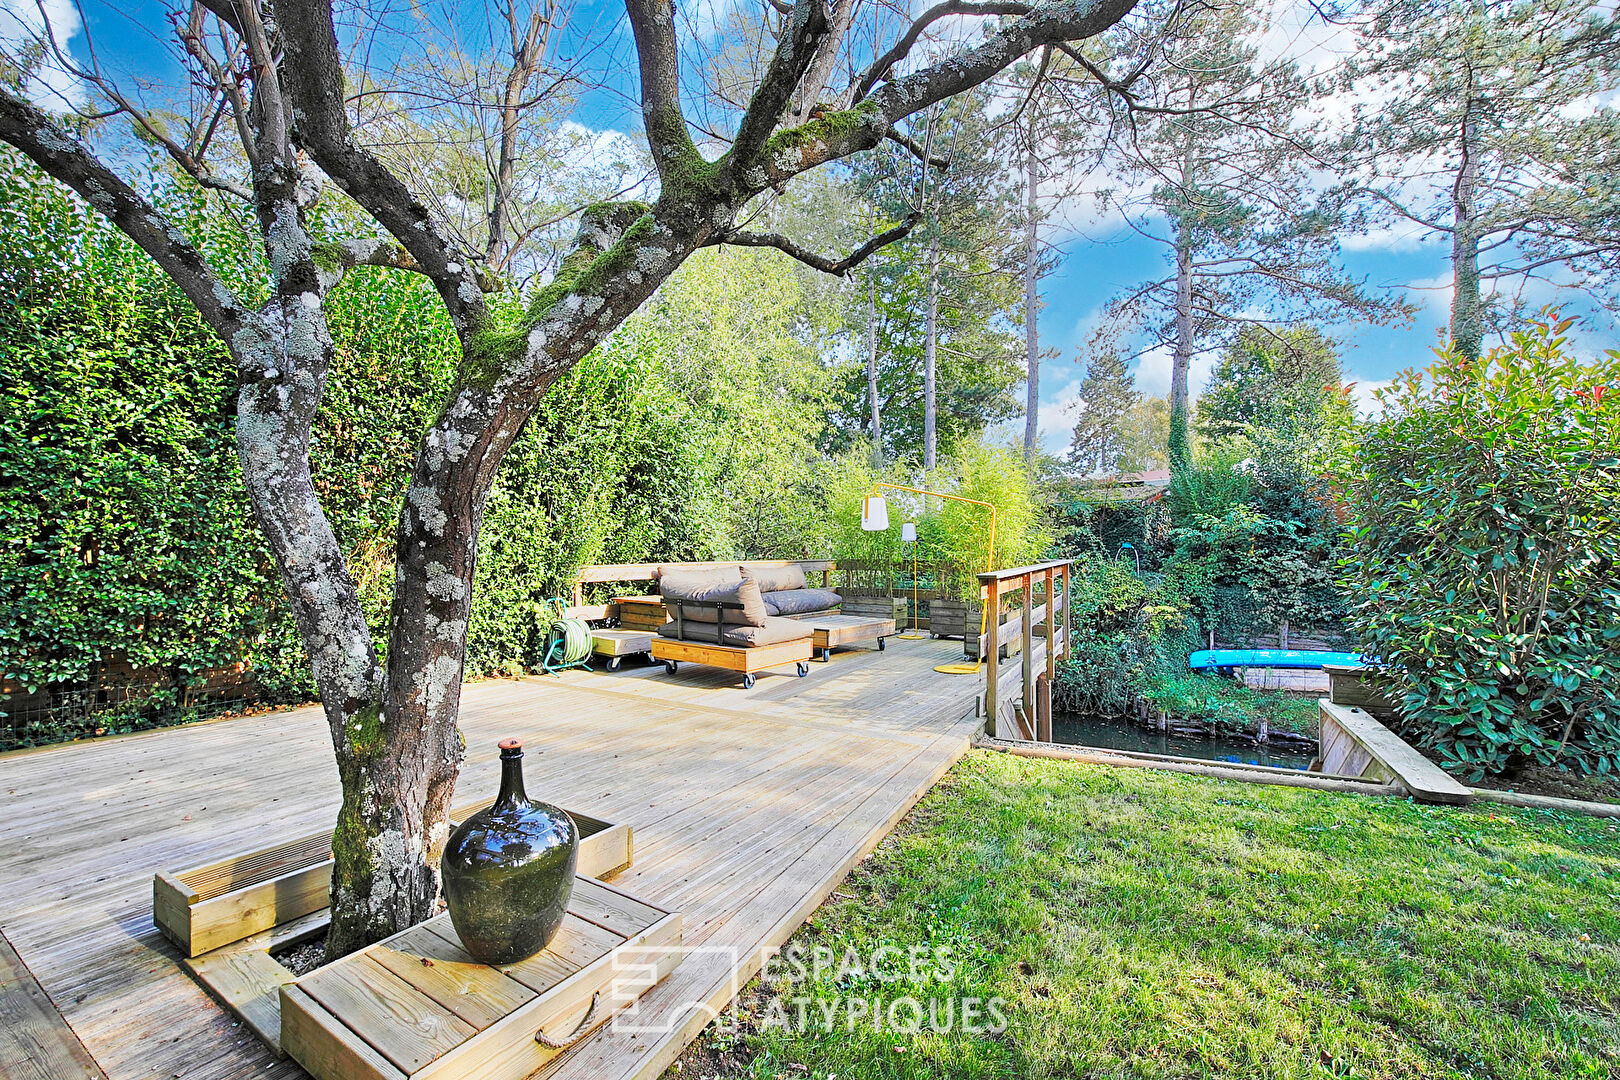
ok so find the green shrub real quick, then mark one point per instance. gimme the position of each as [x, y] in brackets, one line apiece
[1485, 568]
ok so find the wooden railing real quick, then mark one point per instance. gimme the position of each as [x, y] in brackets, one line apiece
[1052, 579]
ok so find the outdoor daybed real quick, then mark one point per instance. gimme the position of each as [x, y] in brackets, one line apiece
[737, 618]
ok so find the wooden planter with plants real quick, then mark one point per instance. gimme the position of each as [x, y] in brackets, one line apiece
[230, 918]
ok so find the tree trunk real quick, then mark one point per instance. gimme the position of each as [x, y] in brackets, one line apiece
[1181, 355]
[399, 768]
[871, 369]
[1032, 300]
[930, 341]
[1467, 317]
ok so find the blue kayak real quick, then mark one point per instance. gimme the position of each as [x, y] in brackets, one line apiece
[1207, 659]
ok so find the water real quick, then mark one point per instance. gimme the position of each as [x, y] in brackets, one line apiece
[1079, 730]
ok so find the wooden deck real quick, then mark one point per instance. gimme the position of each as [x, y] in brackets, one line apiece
[748, 807]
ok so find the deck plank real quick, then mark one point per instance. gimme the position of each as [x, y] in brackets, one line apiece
[748, 807]
[35, 1042]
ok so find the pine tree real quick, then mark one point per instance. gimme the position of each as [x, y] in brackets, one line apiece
[1215, 171]
[1482, 123]
[1107, 395]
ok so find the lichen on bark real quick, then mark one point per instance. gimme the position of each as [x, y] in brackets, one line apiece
[587, 271]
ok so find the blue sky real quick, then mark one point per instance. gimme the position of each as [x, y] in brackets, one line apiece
[135, 38]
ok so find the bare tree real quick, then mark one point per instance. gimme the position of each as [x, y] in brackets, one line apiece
[393, 724]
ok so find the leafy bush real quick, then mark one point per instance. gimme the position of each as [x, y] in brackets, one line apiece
[1088, 522]
[1485, 567]
[1129, 632]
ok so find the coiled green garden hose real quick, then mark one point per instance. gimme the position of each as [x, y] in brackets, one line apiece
[568, 641]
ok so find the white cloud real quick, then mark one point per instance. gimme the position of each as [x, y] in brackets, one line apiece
[1434, 294]
[23, 23]
[1296, 31]
[1364, 392]
[1055, 417]
[1153, 372]
[1396, 239]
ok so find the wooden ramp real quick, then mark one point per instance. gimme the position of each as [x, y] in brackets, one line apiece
[748, 807]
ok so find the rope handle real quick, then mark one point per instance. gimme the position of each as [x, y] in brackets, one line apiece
[577, 1034]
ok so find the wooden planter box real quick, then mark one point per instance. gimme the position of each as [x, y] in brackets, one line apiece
[416, 1007]
[954, 618]
[215, 904]
[895, 608]
[227, 917]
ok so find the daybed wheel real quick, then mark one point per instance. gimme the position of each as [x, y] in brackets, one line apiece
[613, 664]
[826, 656]
[882, 644]
[749, 678]
[670, 666]
[803, 669]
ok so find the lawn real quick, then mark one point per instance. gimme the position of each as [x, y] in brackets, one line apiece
[1146, 924]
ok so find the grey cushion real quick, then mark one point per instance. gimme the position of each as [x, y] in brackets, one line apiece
[745, 593]
[800, 601]
[774, 632]
[682, 577]
[775, 578]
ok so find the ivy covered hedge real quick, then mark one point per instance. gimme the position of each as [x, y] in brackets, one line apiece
[125, 534]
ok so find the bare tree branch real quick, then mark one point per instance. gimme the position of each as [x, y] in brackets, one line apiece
[653, 23]
[795, 50]
[880, 68]
[916, 149]
[314, 75]
[864, 126]
[836, 267]
[29, 129]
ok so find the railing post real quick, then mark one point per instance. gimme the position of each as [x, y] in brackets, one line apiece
[991, 598]
[1026, 639]
[1051, 624]
[1068, 621]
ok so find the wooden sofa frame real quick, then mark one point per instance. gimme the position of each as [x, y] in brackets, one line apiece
[747, 660]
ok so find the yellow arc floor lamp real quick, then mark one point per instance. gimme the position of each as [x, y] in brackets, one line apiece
[875, 518]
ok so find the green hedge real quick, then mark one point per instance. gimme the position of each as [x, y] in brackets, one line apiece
[124, 528]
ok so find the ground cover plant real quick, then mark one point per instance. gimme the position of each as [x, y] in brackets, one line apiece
[1147, 924]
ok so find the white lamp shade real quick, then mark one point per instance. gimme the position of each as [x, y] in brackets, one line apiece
[908, 532]
[874, 513]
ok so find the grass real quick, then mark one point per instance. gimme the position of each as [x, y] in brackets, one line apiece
[1147, 924]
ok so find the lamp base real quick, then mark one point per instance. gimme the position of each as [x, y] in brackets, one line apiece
[960, 668]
